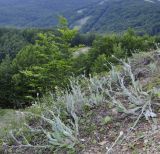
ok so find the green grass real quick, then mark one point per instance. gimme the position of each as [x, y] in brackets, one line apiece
[8, 120]
[6, 116]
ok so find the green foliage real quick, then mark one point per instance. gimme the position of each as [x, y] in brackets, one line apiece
[47, 61]
[121, 46]
[43, 66]
[13, 40]
[100, 64]
[6, 82]
[85, 39]
[132, 42]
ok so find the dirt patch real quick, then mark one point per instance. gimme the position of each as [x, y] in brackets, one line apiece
[96, 137]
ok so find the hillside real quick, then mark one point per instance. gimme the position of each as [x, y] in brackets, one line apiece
[87, 15]
[118, 15]
[59, 95]
[95, 118]
[36, 13]
[77, 87]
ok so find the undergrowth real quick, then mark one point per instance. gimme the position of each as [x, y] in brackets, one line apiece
[54, 124]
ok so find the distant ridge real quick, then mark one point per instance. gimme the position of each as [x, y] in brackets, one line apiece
[36, 13]
[118, 15]
[87, 15]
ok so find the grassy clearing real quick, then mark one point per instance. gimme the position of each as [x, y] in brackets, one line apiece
[6, 117]
[9, 119]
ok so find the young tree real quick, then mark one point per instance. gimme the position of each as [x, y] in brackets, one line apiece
[43, 66]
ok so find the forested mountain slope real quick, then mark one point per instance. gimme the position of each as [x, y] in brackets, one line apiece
[37, 13]
[88, 15]
[118, 15]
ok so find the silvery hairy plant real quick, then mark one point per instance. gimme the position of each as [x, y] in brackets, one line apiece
[59, 133]
[137, 99]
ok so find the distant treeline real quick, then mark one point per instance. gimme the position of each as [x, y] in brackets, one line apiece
[12, 40]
